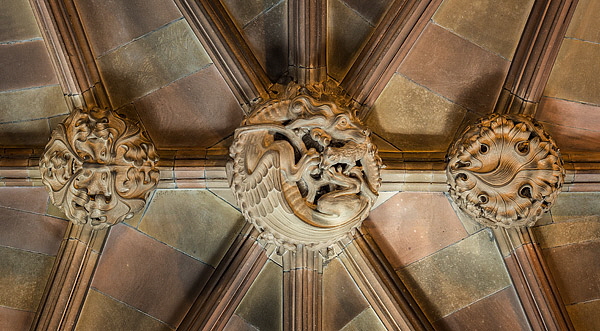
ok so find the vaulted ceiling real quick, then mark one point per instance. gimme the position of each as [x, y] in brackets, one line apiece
[189, 71]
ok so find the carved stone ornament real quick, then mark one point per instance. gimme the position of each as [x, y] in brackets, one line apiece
[303, 170]
[99, 168]
[505, 171]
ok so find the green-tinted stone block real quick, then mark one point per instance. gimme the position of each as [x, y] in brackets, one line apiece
[194, 221]
[23, 276]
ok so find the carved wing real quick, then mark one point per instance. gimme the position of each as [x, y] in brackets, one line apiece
[260, 193]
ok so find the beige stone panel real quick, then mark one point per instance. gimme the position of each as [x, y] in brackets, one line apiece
[245, 11]
[194, 221]
[346, 33]
[101, 312]
[456, 276]
[565, 233]
[342, 299]
[34, 133]
[575, 73]
[23, 276]
[585, 316]
[262, 305]
[25, 65]
[31, 104]
[151, 62]
[413, 118]
[17, 21]
[491, 24]
[584, 24]
[367, 320]
[371, 10]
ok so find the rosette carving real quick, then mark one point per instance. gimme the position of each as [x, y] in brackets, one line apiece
[303, 170]
[99, 168]
[505, 171]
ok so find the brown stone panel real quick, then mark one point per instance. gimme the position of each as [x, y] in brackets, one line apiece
[31, 232]
[371, 10]
[149, 63]
[32, 199]
[456, 276]
[15, 320]
[456, 68]
[23, 276]
[109, 24]
[342, 300]
[346, 33]
[243, 12]
[575, 73]
[17, 21]
[101, 312]
[499, 311]
[195, 111]
[35, 133]
[585, 316]
[25, 65]
[407, 228]
[569, 114]
[584, 24]
[576, 270]
[565, 233]
[149, 275]
[185, 218]
[493, 25]
[574, 139]
[267, 36]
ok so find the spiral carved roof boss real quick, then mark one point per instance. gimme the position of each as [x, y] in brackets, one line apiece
[99, 168]
[505, 171]
[303, 170]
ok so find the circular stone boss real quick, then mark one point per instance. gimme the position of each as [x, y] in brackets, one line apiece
[304, 171]
[505, 170]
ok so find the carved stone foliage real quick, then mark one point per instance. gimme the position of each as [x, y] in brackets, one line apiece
[303, 170]
[99, 168]
[505, 171]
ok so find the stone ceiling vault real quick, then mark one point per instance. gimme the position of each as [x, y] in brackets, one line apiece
[189, 72]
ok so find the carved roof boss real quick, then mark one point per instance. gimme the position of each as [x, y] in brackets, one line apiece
[505, 171]
[99, 168]
[303, 170]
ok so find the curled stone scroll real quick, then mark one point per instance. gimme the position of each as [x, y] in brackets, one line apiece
[303, 170]
[99, 168]
[505, 171]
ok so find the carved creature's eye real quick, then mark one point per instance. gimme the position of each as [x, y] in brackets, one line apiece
[525, 191]
[343, 121]
[483, 149]
[522, 147]
[483, 198]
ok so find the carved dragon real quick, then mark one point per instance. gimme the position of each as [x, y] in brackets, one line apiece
[303, 171]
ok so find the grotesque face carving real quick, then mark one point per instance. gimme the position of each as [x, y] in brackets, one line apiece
[99, 168]
[303, 171]
[505, 171]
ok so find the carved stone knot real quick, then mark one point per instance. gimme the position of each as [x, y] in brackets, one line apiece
[99, 168]
[505, 171]
[304, 171]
